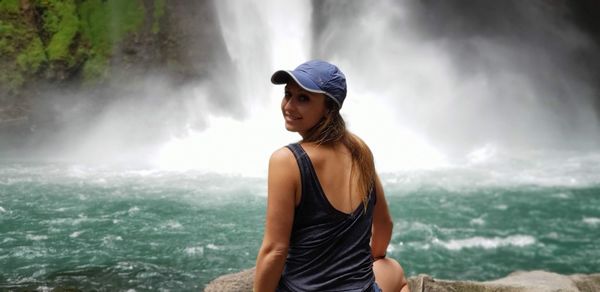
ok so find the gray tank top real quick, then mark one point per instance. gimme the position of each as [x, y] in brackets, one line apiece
[329, 249]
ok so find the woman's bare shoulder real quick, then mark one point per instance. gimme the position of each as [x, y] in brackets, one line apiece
[282, 154]
[282, 158]
[283, 167]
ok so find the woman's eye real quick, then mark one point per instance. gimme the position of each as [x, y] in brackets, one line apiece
[287, 94]
[303, 98]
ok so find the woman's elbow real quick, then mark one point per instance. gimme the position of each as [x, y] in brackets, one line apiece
[274, 250]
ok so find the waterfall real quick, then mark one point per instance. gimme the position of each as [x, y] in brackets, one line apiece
[422, 94]
[465, 76]
[261, 37]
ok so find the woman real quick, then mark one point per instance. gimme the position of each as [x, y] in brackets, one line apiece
[327, 222]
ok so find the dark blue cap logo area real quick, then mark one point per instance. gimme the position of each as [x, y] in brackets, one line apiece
[316, 76]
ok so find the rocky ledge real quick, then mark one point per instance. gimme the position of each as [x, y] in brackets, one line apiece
[531, 281]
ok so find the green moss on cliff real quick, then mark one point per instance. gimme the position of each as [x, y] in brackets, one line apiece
[61, 39]
[159, 11]
[95, 69]
[62, 23]
[22, 52]
[30, 59]
[10, 6]
[105, 23]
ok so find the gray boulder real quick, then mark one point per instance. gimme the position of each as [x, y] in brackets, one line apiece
[521, 281]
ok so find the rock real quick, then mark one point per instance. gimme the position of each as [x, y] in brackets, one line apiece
[521, 281]
[537, 281]
[238, 282]
[587, 283]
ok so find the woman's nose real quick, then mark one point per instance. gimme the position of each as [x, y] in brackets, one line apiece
[288, 104]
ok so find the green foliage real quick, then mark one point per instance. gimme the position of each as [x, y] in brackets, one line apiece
[103, 24]
[6, 32]
[32, 57]
[21, 50]
[106, 22]
[95, 68]
[9, 6]
[65, 35]
[159, 11]
[62, 23]
[12, 80]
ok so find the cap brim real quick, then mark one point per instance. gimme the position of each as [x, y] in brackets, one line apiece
[284, 76]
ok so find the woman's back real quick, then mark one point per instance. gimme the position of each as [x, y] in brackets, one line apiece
[329, 248]
[333, 167]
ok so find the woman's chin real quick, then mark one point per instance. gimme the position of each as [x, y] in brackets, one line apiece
[290, 128]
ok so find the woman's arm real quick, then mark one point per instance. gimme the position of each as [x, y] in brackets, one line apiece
[284, 177]
[388, 272]
[382, 223]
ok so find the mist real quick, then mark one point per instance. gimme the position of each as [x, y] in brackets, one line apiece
[431, 83]
[507, 73]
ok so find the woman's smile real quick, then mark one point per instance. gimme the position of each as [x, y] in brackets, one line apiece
[302, 109]
[291, 117]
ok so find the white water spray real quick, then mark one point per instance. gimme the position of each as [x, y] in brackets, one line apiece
[261, 38]
[408, 97]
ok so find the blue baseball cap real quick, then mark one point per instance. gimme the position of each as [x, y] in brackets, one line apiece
[316, 76]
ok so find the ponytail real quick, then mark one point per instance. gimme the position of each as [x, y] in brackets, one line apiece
[332, 129]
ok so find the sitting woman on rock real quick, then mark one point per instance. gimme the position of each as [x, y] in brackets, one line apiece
[327, 223]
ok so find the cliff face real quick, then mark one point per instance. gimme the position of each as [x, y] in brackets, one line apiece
[92, 45]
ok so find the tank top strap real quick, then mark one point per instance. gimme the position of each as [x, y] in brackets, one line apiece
[302, 159]
[298, 151]
[312, 196]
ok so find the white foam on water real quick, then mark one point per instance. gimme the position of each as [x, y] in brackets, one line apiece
[111, 238]
[562, 195]
[390, 248]
[39, 273]
[593, 221]
[419, 245]
[125, 266]
[8, 239]
[70, 221]
[2, 210]
[54, 230]
[172, 224]
[212, 246]
[36, 237]
[194, 250]
[486, 243]
[477, 221]
[75, 234]
[29, 252]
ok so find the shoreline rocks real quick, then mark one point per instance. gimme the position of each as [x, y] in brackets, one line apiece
[521, 281]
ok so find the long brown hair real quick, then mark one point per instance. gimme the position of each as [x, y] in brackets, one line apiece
[332, 129]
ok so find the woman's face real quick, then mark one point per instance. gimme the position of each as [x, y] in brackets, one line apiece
[302, 109]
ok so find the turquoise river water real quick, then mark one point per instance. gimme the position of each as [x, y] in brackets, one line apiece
[93, 228]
